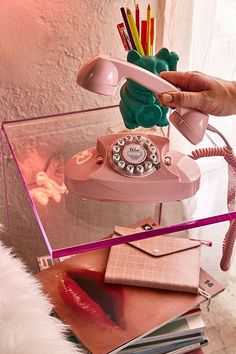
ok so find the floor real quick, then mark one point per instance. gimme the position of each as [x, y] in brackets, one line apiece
[221, 319]
[221, 322]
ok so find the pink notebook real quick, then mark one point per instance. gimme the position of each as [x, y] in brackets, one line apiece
[160, 262]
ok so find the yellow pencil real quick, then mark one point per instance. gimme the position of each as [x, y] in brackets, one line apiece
[134, 31]
[149, 30]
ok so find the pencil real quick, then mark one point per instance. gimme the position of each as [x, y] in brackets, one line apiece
[148, 30]
[134, 31]
[123, 13]
[137, 19]
[121, 30]
[144, 35]
[152, 34]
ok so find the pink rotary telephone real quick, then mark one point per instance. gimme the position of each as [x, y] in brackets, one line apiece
[155, 173]
[140, 167]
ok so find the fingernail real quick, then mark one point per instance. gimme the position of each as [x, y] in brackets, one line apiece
[167, 98]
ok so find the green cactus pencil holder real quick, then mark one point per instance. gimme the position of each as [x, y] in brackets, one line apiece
[138, 105]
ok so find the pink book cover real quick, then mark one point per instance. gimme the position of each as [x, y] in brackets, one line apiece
[158, 262]
[108, 317]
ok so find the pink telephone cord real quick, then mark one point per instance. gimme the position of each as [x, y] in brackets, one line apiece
[228, 154]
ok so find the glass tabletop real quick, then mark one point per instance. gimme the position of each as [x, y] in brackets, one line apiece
[41, 148]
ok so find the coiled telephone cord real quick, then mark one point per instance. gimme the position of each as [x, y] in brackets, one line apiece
[228, 154]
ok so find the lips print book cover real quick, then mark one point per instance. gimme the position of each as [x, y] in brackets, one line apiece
[108, 317]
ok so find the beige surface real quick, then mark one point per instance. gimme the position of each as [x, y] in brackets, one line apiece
[221, 318]
[221, 322]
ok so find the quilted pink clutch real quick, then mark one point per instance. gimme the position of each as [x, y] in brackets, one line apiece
[161, 262]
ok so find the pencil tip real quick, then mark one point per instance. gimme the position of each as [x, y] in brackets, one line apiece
[149, 6]
[128, 11]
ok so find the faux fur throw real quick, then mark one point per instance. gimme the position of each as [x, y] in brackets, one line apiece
[25, 326]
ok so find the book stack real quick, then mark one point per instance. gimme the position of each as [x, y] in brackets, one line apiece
[181, 335]
[113, 318]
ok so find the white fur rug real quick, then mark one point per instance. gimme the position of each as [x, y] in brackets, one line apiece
[25, 326]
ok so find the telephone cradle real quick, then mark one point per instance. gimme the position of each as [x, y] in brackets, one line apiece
[132, 168]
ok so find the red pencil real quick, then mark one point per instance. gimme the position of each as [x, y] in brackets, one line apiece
[144, 35]
[137, 19]
[124, 39]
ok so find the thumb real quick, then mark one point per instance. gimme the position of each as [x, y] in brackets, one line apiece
[193, 100]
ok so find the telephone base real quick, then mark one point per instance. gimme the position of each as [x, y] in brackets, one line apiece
[92, 174]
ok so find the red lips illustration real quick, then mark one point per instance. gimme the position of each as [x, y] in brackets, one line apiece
[85, 292]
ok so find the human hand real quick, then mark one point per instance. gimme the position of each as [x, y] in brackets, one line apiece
[207, 94]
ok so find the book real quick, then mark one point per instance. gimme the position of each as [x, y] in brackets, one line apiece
[190, 349]
[196, 351]
[167, 340]
[108, 317]
[180, 328]
[157, 262]
[190, 313]
[83, 350]
[164, 346]
[169, 348]
[45, 262]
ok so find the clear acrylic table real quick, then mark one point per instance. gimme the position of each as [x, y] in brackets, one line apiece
[43, 217]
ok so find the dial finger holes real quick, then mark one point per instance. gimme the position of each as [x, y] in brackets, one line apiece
[134, 155]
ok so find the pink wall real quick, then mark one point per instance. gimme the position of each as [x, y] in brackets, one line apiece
[42, 44]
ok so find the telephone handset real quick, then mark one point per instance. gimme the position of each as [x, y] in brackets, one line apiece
[132, 168]
[102, 74]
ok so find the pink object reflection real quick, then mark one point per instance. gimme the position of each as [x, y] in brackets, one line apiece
[44, 176]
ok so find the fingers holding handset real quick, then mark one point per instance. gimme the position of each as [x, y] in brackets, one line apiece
[199, 91]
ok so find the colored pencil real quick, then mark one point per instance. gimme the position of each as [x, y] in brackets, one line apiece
[137, 18]
[123, 13]
[134, 31]
[144, 35]
[148, 40]
[152, 34]
[121, 30]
